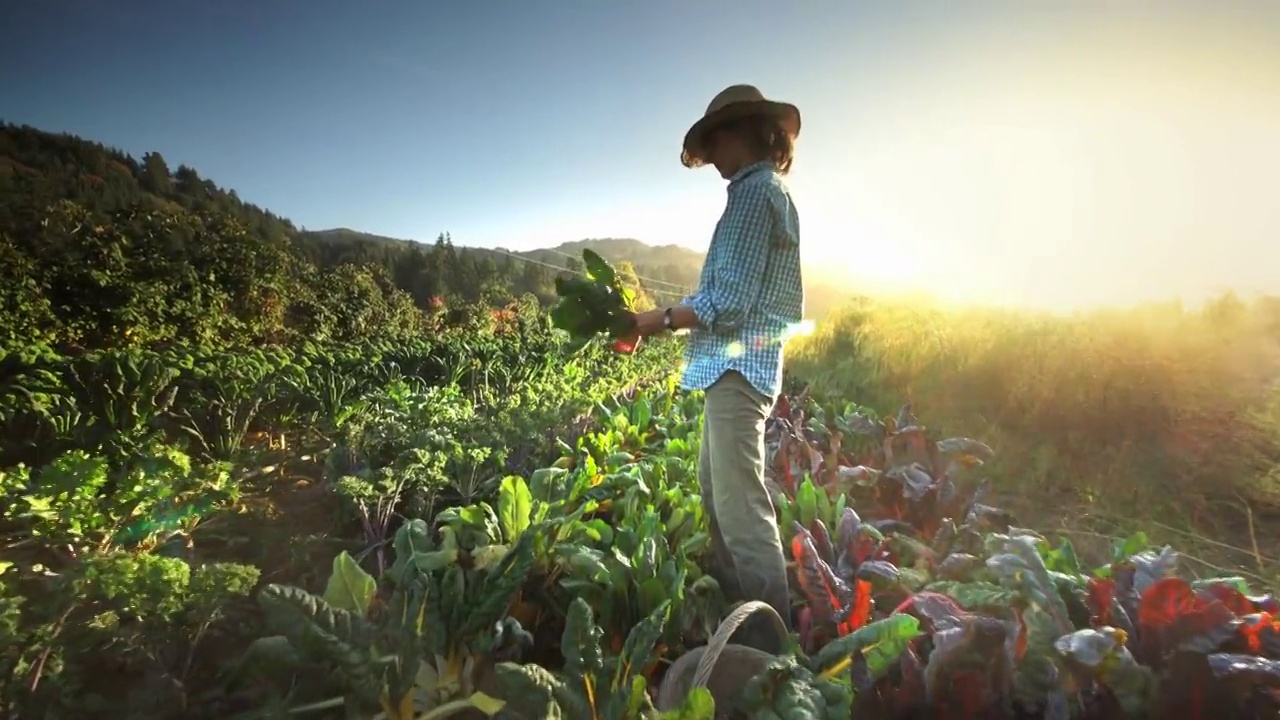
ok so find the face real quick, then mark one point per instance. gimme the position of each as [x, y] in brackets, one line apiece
[727, 149]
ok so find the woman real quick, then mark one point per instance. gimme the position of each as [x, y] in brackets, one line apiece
[749, 298]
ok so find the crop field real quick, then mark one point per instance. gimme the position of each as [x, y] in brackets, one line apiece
[1162, 415]
[248, 471]
[484, 525]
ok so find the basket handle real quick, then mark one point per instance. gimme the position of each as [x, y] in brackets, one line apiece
[707, 663]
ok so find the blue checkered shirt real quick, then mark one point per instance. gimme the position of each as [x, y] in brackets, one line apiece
[750, 297]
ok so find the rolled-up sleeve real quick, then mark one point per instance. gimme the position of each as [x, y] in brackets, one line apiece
[745, 232]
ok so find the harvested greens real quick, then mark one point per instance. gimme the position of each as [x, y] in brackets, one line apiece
[595, 304]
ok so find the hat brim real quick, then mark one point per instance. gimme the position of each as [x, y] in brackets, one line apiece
[693, 154]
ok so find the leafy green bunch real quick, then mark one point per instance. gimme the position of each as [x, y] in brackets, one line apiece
[593, 304]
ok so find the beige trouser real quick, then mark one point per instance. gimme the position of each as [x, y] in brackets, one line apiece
[746, 548]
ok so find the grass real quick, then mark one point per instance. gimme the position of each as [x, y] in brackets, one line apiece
[1156, 413]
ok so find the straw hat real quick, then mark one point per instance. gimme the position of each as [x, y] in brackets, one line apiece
[732, 103]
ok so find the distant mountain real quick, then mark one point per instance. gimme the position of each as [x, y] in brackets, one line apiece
[347, 235]
[670, 267]
[667, 271]
[676, 269]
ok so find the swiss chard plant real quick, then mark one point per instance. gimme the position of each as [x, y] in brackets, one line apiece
[596, 682]
[595, 304]
[1010, 625]
[422, 648]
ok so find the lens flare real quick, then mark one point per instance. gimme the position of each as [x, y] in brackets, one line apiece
[804, 327]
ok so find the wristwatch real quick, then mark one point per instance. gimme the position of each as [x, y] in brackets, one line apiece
[666, 319]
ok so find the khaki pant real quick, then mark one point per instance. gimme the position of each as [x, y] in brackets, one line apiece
[746, 547]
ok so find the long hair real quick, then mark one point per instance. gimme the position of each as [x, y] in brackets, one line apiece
[766, 139]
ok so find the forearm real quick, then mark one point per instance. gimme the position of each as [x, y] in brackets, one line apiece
[683, 317]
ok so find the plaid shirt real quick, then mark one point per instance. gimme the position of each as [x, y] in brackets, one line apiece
[750, 298]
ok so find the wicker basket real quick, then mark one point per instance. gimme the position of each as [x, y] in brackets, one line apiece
[722, 668]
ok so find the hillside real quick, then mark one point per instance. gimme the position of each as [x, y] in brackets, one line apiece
[98, 248]
[664, 270]
[670, 266]
[412, 487]
[101, 249]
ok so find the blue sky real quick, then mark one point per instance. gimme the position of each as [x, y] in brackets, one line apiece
[413, 117]
[1053, 155]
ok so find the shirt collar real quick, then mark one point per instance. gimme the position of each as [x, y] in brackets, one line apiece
[749, 170]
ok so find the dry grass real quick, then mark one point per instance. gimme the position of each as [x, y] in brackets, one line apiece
[1155, 412]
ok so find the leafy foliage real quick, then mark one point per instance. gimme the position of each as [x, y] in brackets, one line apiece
[1010, 625]
[512, 525]
[1161, 412]
[106, 524]
[598, 303]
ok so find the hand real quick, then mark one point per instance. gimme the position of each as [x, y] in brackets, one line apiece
[649, 322]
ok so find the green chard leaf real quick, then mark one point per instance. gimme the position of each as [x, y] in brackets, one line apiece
[325, 633]
[597, 268]
[532, 686]
[638, 650]
[350, 587]
[881, 643]
[697, 705]
[581, 641]
[515, 507]
[499, 588]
